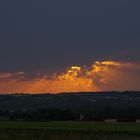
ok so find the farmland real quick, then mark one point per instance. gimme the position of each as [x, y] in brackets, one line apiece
[60, 130]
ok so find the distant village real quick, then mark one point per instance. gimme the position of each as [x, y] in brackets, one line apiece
[91, 106]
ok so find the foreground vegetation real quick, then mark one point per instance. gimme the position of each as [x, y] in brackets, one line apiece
[17, 130]
[73, 126]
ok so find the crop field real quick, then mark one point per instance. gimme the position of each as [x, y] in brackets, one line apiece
[20, 130]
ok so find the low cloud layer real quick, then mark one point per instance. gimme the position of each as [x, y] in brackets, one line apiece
[101, 76]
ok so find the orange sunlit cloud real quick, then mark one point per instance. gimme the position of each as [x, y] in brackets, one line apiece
[106, 75]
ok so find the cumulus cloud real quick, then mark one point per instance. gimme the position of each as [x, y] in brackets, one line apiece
[111, 75]
[101, 76]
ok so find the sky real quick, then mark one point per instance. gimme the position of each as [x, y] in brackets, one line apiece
[43, 38]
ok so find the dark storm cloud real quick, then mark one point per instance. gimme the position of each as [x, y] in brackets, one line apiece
[40, 35]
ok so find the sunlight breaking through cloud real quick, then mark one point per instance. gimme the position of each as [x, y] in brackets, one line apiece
[101, 76]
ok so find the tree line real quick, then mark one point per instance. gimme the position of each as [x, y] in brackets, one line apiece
[53, 114]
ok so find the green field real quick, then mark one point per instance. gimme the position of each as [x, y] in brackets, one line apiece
[20, 130]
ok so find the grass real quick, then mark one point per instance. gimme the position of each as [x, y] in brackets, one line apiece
[20, 130]
[75, 126]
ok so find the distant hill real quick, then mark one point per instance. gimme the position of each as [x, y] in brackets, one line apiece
[72, 101]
